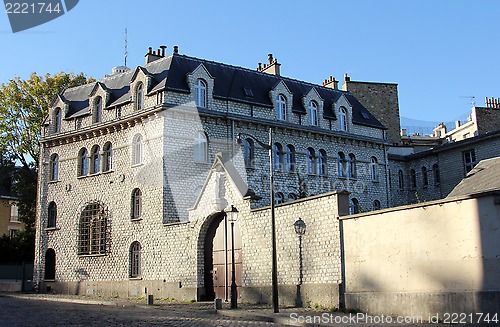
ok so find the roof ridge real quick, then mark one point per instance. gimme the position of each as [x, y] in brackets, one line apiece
[261, 73]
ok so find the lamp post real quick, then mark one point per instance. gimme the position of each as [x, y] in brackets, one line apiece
[234, 294]
[269, 147]
[300, 230]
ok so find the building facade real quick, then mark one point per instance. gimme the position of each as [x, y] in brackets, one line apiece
[125, 161]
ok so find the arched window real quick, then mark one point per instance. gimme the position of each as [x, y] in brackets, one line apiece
[341, 164]
[292, 197]
[351, 167]
[54, 167]
[137, 149]
[322, 163]
[413, 179]
[83, 162]
[51, 215]
[248, 152]
[139, 97]
[343, 119]
[93, 230]
[95, 160]
[136, 204]
[57, 120]
[401, 180]
[277, 156]
[311, 161]
[97, 116]
[200, 147]
[354, 206]
[200, 93]
[425, 180]
[313, 113]
[135, 260]
[107, 160]
[376, 205]
[435, 172]
[50, 265]
[279, 198]
[281, 109]
[290, 158]
[374, 169]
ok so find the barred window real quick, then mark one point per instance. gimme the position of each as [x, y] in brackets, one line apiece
[52, 215]
[135, 260]
[136, 207]
[93, 238]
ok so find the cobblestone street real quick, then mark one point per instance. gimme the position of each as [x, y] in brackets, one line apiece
[18, 312]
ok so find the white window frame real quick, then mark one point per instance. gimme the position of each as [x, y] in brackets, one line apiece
[139, 97]
[137, 150]
[281, 107]
[374, 169]
[200, 150]
[57, 120]
[343, 119]
[313, 113]
[200, 93]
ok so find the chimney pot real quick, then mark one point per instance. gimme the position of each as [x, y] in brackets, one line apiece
[163, 47]
[270, 57]
[259, 68]
[176, 49]
[457, 124]
[150, 50]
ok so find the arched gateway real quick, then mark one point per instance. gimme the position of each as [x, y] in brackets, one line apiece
[217, 258]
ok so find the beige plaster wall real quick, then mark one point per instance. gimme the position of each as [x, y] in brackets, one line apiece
[418, 253]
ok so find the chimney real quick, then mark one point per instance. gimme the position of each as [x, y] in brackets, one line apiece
[273, 67]
[176, 49]
[403, 131]
[347, 79]
[457, 124]
[154, 55]
[331, 83]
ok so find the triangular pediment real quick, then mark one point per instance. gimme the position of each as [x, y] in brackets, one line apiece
[201, 69]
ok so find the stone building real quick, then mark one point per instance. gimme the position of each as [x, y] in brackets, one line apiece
[124, 204]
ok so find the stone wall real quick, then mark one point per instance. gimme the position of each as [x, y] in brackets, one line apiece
[381, 99]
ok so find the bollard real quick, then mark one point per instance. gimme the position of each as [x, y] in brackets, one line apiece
[150, 299]
[218, 304]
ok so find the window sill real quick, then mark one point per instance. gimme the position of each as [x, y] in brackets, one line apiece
[91, 255]
[135, 278]
[94, 174]
[50, 229]
[54, 181]
[15, 222]
[137, 165]
[136, 219]
[82, 176]
[108, 172]
[204, 163]
[48, 280]
[375, 181]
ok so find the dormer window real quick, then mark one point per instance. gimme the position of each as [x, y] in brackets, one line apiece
[343, 119]
[281, 107]
[57, 120]
[313, 113]
[200, 93]
[97, 116]
[139, 97]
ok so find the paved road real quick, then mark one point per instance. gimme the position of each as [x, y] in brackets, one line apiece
[15, 312]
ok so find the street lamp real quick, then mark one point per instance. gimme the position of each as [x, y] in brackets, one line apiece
[300, 229]
[234, 295]
[269, 147]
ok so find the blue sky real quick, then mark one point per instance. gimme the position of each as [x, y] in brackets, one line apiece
[439, 52]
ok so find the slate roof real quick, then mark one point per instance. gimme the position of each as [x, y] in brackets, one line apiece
[484, 177]
[169, 73]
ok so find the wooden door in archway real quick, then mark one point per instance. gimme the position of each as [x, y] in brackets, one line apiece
[222, 259]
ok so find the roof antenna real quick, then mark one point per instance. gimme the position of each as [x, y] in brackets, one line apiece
[472, 99]
[126, 44]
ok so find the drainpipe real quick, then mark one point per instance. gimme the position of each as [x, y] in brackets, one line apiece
[38, 215]
[387, 188]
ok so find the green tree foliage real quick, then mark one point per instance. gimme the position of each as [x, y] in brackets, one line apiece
[24, 104]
